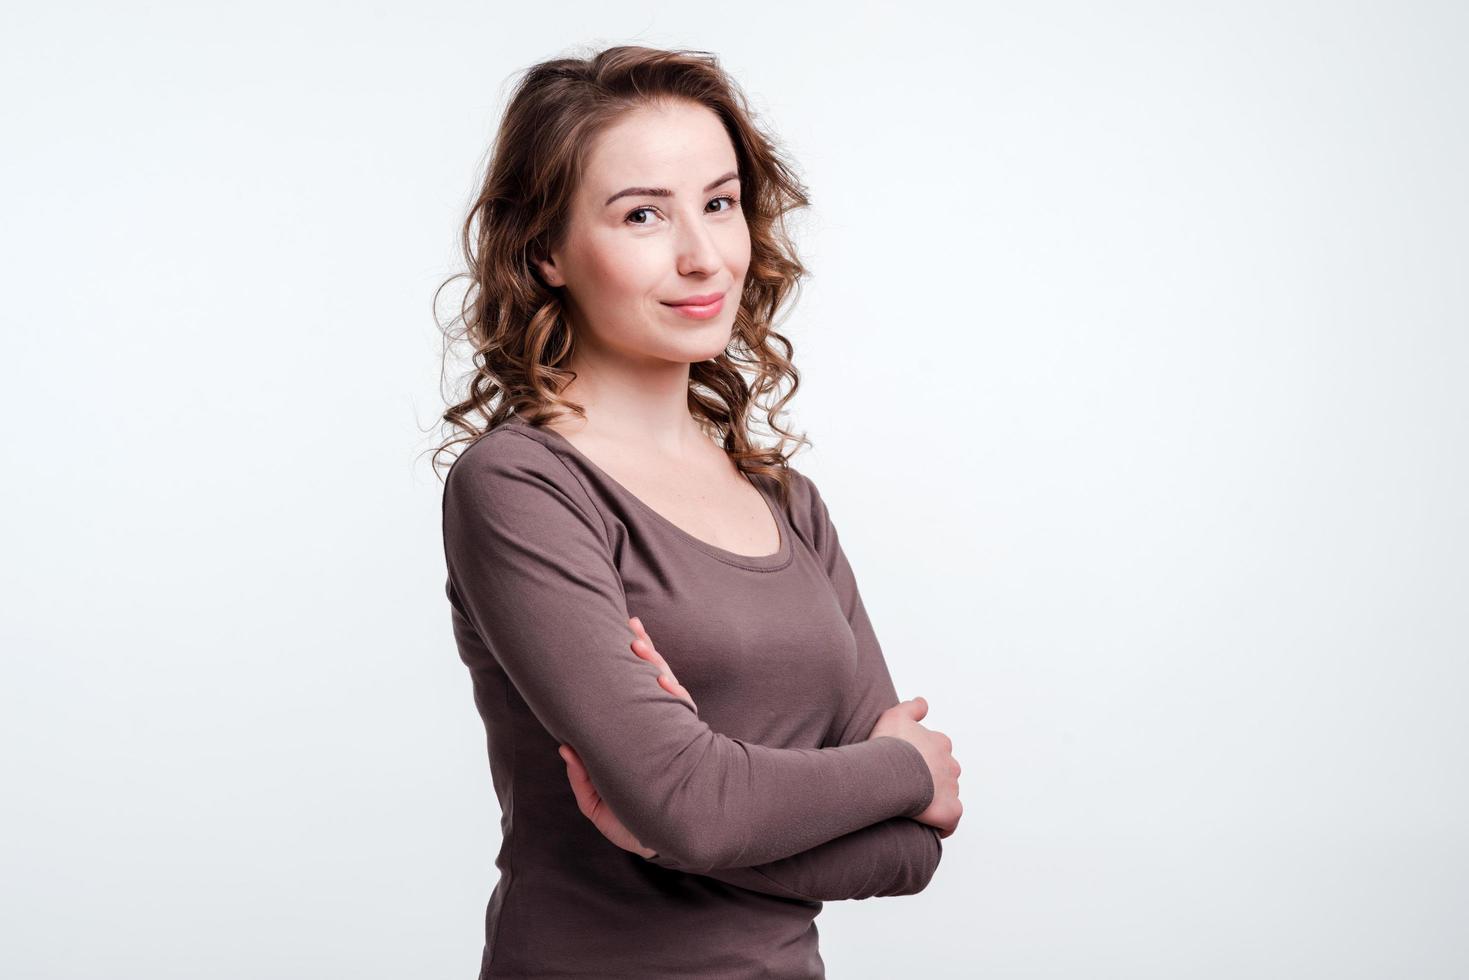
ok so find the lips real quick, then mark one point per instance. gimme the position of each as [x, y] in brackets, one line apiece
[704, 300]
[699, 307]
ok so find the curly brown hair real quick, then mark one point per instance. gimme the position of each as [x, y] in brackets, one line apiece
[514, 323]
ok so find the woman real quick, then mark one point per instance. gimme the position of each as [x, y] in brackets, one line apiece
[625, 264]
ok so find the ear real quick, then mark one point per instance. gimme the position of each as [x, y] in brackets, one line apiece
[547, 268]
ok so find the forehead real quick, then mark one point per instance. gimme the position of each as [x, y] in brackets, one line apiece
[680, 146]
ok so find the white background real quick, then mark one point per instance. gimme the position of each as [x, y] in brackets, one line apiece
[1134, 354]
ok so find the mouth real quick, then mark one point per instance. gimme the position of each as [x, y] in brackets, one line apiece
[699, 307]
[704, 300]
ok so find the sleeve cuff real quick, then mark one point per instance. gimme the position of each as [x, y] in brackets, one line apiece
[909, 773]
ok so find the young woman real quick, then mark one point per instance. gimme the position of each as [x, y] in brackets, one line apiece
[692, 732]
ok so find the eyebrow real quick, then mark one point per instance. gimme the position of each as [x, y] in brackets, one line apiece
[665, 192]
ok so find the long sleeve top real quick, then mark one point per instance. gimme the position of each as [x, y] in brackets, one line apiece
[762, 802]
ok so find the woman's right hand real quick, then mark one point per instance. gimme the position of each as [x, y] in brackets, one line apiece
[642, 645]
[901, 721]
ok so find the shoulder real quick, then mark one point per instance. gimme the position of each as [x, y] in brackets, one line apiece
[806, 508]
[511, 472]
[506, 453]
[800, 488]
[512, 507]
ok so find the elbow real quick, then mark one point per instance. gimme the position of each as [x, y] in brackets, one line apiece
[931, 863]
[920, 873]
[657, 805]
[910, 884]
[679, 853]
[687, 849]
[914, 885]
[687, 832]
[682, 841]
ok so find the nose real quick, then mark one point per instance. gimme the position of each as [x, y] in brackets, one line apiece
[698, 253]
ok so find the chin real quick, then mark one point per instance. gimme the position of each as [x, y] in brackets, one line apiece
[705, 345]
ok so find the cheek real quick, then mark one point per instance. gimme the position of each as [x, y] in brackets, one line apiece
[615, 269]
[737, 250]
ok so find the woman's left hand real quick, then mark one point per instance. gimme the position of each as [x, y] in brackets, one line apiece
[588, 800]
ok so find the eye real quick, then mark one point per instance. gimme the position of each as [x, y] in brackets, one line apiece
[733, 203]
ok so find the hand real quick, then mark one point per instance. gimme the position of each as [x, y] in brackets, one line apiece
[642, 645]
[588, 800]
[901, 721]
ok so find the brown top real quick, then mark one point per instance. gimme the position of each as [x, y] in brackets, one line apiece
[764, 802]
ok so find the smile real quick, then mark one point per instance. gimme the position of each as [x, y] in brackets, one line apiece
[698, 311]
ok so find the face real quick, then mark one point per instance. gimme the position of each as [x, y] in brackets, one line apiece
[656, 222]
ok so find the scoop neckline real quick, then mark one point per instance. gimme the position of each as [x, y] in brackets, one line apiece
[766, 563]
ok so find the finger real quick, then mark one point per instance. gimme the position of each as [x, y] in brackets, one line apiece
[676, 689]
[575, 771]
[665, 673]
[575, 778]
[587, 797]
[648, 653]
[645, 650]
[669, 680]
[639, 629]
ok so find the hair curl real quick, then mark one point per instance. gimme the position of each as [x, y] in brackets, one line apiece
[515, 323]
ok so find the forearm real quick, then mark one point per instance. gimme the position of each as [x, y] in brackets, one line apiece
[533, 573]
[893, 857]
